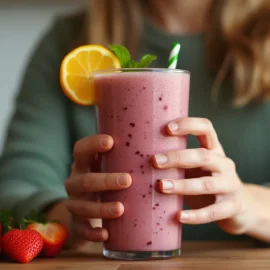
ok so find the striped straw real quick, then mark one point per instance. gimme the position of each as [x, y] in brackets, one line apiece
[174, 56]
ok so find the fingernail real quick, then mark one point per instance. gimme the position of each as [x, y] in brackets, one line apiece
[161, 159]
[167, 185]
[183, 216]
[105, 141]
[173, 127]
[122, 180]
[114, 209]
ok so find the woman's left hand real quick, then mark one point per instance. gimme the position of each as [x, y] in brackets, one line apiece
[213, 190]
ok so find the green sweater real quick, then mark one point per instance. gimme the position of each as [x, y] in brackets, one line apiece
[38, 151]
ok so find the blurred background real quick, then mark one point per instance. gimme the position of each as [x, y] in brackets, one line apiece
[22, 22]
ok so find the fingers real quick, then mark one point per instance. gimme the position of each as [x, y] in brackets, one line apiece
[200, 127]
[194, 158]
[89, 209]
[82, 229]
[199, 186]
[214, 212]
[86, 149]
[97, 182]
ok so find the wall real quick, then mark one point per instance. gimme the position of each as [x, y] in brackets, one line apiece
[20, 27]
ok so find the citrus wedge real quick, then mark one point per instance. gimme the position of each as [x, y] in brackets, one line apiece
[76, 72]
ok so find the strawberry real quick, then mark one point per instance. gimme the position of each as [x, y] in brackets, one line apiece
[54, 235]
[6, 222]
[22, 245]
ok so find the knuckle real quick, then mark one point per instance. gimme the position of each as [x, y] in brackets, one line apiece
[207, 185]
[84, 183]
[238, 205]
[76, 149]
[231, 164]
[238, 184]
[85, 210]
[108, 181]
[67, 186]
[73, 167]
[208, 124]
[211, 216]
[91, 235]
[103, 210]
[177, 157]
[195, 217]
[205, 154]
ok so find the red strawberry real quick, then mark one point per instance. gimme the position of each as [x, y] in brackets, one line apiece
[22, 245]
[6, 222]
[54, 235]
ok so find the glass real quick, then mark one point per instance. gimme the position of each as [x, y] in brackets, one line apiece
[134, 106]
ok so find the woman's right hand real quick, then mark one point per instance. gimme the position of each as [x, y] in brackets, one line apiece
[83, 187]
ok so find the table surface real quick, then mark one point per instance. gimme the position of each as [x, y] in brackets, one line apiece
[195, 256]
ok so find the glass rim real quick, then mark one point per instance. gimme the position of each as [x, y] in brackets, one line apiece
[165, 70]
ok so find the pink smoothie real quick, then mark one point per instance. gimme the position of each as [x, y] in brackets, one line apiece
[134, 108]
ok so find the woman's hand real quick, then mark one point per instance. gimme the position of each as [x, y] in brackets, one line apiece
[83, 186]
[214, 190]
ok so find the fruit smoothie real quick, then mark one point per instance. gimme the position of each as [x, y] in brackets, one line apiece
[134, 108]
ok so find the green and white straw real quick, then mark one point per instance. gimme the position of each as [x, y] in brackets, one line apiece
[174, 56]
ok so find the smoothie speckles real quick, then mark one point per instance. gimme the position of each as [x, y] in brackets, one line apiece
[143, 119]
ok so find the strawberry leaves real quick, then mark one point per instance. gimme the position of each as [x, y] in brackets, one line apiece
[7, 220]
[34, 216]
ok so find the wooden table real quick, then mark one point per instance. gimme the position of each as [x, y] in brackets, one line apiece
[196, 256]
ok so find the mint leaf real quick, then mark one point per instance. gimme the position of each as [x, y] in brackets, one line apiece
[122, 54]
[146, 60]
[133, 64]
[124, 57]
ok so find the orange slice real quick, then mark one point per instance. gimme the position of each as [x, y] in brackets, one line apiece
[76, 72]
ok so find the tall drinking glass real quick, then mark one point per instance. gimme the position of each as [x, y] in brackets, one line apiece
[134, 106]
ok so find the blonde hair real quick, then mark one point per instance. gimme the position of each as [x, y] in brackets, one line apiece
[237, 40]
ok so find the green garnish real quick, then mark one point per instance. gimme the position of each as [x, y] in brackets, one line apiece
[34, 216]
[124, 57]
[6, 220]
[9, 222]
